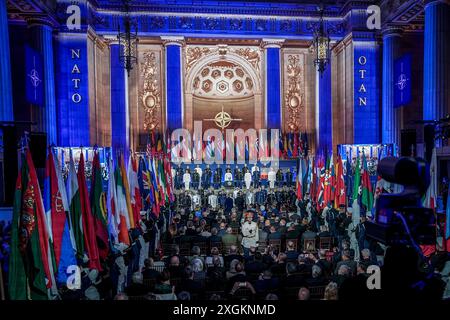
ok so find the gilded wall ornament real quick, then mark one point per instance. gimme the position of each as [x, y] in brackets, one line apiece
[251, 55]
[193, 54]
[294, 92]
[150, 96]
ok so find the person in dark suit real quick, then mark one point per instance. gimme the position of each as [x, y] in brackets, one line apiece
[274, 234]
[316, 279]
[266, 282]
[291, 253]
[149, 272]
[279, 268]
[188, 283]
[255, 266]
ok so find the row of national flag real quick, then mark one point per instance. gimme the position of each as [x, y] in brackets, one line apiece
[69, 223]
[327, 181]
[260, 146]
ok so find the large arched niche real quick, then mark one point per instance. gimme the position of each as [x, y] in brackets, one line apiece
[223, 78]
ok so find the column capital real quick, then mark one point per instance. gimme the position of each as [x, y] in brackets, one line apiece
[49, 21]
[173, 41]
[391, 31]
[271, 43]
[432, 2]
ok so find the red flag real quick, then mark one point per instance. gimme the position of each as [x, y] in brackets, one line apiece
[340, 196]
[33, 196]
[56, 206]
[90, 241]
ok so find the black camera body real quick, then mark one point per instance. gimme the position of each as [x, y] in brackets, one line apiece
[401, 217]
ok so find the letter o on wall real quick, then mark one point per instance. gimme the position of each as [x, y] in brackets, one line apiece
[362, 60]
[76, 98]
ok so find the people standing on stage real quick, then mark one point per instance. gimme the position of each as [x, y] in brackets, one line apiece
[238, 177]
[200, 173]
[228, 179]
[248, 179]
[289, 176]
[264, 177]
[195, 179]
[187, 179]
[280, 178]
[271, 177]
[217, 178]
[255, 176]
[179, 178]
[206, 177]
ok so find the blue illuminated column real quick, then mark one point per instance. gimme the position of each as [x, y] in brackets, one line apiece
[323, 100]
[174, 82]
[6, 104]
[390, 118]
[273, 82]
[436, 85]
[41, 35]
[119, 103]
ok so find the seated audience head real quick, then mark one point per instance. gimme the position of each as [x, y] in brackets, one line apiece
[331, 291]
[303, 294]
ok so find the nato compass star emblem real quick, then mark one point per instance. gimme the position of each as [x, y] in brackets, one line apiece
[34, 78]
[402, 81]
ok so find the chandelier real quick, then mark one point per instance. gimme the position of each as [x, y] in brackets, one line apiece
[321, 45]
[128, 40]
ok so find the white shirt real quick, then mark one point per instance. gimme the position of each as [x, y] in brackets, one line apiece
[271, 175]
[248, 176]
[249, 198]
[250, 234]
[187, 177]
[212, 201]
[199, 171]
[196, 200]
[228, 176]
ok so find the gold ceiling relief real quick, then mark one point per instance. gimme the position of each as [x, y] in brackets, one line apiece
[294, 92]
[150, 96]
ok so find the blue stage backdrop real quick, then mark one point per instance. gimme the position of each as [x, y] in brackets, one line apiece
[402, 81]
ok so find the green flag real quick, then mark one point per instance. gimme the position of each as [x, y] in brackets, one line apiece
[73, 196]
[357, 181]
[27, 273]
[367, 195]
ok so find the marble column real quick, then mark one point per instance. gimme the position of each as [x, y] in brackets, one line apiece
[6, 103]
[390, 120]
[436, 85]
[41, 35]
[174, 82]
[272, 49]
[119, 103]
